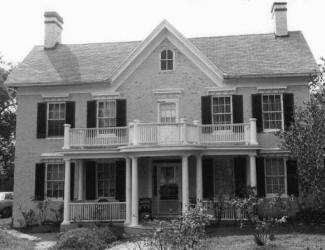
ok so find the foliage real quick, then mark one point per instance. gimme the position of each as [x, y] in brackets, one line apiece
[96, 238]
[58, 213]
[185, 232]
[305, 139]
[42, 210]
[8, 108]
[310, 215]
[29, 217]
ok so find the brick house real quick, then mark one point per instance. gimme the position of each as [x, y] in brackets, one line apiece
[173, 119]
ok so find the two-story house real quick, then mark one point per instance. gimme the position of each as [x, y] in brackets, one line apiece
[169, 118]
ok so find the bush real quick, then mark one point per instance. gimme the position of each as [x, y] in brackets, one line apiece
[310, 216]
[105, 234]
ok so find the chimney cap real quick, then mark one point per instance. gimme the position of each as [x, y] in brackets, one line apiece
[278, 6]
[49, 14]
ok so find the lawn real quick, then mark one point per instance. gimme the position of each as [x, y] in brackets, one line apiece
[10, 242]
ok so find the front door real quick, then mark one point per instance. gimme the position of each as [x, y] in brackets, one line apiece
[168, 189]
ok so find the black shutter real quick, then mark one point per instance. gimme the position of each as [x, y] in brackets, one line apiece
[41, 119]
[240, 176]
[257, 111]
[207, 172]
[91, 114]
[90, 180]
[260, 177]
[206, 112]
[120, 181]
[237, 107]
[72, 171]
[288, 109]
[39, 181]
[121, 113]
[292, 178]
[70, 113]
[155, 185]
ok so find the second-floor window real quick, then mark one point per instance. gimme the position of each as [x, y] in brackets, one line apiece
[56, 119]
[167, 112]
[275, 176]
[221, 110]
[106, 116]
[272, 112]
[167, 60]
[55, 181]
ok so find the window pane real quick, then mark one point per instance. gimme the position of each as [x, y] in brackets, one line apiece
[169, 54]
[170, 65]
[163, 54]
[167, 112]
[163, 65]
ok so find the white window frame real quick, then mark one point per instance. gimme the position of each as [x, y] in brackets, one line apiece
[271, 195]
[168, 101]
[48, 118]
[282, 113]
[47, 181]
[97, 112]
[113, 178]
[173, 60]
[231, 109]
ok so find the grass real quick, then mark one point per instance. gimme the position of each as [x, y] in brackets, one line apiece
[9, 242]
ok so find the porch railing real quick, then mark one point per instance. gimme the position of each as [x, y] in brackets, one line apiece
[224, 211]
[97, 211]
[162, 134]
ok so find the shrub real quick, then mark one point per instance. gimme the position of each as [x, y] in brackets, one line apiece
[105, 234]
[310, 215]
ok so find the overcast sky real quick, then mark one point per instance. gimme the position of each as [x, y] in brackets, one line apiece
[22, 22]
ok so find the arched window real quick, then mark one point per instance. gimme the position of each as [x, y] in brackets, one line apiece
[167, 60]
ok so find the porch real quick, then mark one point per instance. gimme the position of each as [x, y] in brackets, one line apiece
[171, 183]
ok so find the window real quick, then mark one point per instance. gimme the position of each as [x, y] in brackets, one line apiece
[275, 176]
[272, 112]
[106, 180]
[56, 119]
[167, 112]
[221, 110]
[106, 116]
[167, 60]
[55, 181]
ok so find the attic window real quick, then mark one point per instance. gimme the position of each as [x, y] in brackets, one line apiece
[166, 60]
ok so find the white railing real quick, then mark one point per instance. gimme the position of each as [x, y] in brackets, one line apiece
[224, 211]
[99, 136]
[97, 211]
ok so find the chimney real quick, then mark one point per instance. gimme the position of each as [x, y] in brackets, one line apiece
[279, 14]
[53, 29]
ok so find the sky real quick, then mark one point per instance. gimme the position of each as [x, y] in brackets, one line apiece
[88, 21]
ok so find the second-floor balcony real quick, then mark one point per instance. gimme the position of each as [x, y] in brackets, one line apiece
[182, 133]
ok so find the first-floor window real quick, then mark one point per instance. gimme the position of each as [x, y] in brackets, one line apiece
[275, 176]
[272, 112]
[56, 119]
[106, 180]
[221, 110]
[55, 181]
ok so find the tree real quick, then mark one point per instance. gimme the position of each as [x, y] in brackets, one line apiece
[305, 139]
[8, 108]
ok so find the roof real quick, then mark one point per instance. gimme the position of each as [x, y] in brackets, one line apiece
[236, 56]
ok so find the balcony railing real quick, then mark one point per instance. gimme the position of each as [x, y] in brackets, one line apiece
[181, 133]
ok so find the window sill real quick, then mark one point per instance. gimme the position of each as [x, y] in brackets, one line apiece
[167, 71]
[270, 196]
[55, 138]
[268, 131]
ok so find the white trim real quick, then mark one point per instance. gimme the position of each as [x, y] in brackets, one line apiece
[163, 101]
[47, 118]
[231, 108]
[175, 91]
[221, 91]
[271, 90]
[97, 110]
[106, 96]
[282, 113]
[173, 60]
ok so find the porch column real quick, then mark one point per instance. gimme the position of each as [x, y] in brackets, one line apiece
[80, 180]
[185, 186]
[252, 170]
[128, 190]
[66, 192]
[135, 195]
[199, 182]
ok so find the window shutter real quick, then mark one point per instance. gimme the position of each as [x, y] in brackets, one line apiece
[260, 175]
[70, 113]
[91, 114]
[240, 176]
[39, 181]
[121, 113]
[206, 111]
[72, 171]
[120, 180]
[207, 172]
[91, 180]
[288, 109]
[41, 119]
[292, 178]
[257, 111]
[237, 107]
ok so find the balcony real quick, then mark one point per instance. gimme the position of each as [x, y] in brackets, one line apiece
[182, 133]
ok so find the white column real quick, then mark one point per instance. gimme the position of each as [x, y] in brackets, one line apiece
[199, 181]
[128, 190]
[185, 185]
[66, 142]
[252, 164]
[66, 192]
[135, 195]
[80, 180]
[253, 131]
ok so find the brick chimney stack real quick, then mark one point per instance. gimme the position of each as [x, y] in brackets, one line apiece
[279, 15]
[53, 29]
